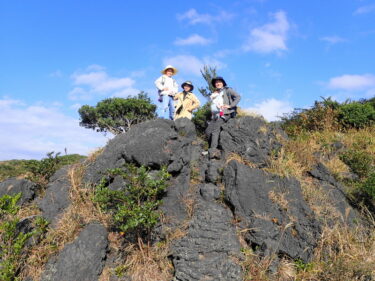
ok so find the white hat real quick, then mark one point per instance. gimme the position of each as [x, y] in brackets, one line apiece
[175, 70]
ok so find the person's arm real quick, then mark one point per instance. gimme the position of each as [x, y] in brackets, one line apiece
[175, 87]
[159, 83]
[177, 96]
[236, 97]
[196, 103]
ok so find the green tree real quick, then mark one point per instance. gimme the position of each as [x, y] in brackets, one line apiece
[203, 114]
[208, 72]
[117, 115]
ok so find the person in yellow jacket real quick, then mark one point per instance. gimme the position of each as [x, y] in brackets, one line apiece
[186, 101]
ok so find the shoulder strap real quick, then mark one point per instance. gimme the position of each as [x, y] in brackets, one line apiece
[163, 80]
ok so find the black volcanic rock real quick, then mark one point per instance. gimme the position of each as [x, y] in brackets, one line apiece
[13, 186]
[274, 210]
[82, 260]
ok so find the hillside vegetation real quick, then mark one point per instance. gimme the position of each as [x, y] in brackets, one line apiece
[132, 196]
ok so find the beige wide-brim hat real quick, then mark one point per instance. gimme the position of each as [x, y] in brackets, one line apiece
[175, 70]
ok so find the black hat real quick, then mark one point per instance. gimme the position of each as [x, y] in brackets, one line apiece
[188, 83]
[213, 81]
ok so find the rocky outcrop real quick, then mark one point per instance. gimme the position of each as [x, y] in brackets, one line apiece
[56, 198]
[210, 247]
[273, 209]
[82, 260]
[13, 186]
[210, 201]
[251, 138]
[153, 144]
[335, 192]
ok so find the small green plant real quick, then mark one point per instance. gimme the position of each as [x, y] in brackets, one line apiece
[134, 208]
[369, 186]
[8, 204]
[201, 118]
[42, 170]
[303, 266]
[358, 161]
[12, 240]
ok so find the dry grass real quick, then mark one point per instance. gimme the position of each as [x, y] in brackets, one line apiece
[81, 212]
[343, 254]
[240, 159]
[279, 199]
[241, 112]
[286, 165]
[28, 210]
[336, 166]
[94, 154]
[145, 262]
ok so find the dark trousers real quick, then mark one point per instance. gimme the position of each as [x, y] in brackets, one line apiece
[215, 131]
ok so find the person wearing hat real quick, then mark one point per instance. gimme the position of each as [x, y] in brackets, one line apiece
[167, 88]
[227, 110]
[186, 101]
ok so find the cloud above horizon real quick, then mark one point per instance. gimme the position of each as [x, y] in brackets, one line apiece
[365, 10]
[193, 39]
[272, 109]
[95, 81]
[333, 39]
[271, 37]
[352, 82]
[193, 17]
[31, 131]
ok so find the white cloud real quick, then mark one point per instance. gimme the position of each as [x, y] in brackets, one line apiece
[350, 82]
[193, 17]
[270, 37]
[79, 94]
[365, 10]
[333, 39]
[95, 81]
[272, 109]
[191, 64]
[29, 132]
[194, 39]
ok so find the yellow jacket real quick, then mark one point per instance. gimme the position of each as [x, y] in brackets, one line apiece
[185, 105]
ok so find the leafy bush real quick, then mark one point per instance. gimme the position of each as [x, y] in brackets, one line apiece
[33, 169]
[134, 207]
[323, 115]
[330, 115]
[12, 241]
[201, 118]
[369, 186]
[358, 161]
[356, 115]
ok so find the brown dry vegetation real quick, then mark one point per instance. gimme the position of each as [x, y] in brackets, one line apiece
[81, 212]
[343, 253]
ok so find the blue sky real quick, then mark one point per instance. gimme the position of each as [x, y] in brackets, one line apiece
[58, 55]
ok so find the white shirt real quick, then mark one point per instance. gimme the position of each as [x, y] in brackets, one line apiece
[217, 101]
[165, 81]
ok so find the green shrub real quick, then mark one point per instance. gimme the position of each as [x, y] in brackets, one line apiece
[12, 241]
[360, 162]
[8, 204]
[134, 208]
[323, 115]
[369, 186]
[356, 115]
[201, 118]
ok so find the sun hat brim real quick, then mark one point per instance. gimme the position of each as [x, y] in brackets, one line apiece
[187, 84]
[175, 70]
